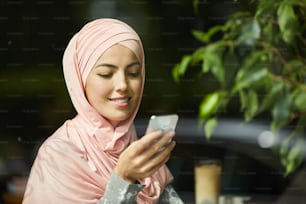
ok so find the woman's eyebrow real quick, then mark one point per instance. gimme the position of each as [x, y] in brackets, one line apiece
[133, 64]
[114, 66]
[106, 65]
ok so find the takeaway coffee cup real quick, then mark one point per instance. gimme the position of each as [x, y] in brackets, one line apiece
[207, 181]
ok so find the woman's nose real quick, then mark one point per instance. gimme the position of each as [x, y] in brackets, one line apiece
[121, 82]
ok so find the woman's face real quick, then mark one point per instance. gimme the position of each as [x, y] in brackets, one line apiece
[114, 85]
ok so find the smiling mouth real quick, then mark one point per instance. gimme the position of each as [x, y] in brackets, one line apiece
[120, 101]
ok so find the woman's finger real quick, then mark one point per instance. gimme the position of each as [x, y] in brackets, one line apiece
[159, 144]
[156, 162]
[141, 145]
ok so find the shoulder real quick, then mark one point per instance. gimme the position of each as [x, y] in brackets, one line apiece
[56, 143]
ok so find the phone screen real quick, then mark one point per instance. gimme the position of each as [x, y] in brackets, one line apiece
[162, 122]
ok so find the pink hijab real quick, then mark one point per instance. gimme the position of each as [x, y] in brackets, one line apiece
[74, 164]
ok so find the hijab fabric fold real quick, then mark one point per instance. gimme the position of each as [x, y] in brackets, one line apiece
[74, 164]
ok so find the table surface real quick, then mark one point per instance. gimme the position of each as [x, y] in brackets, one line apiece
[12, 199]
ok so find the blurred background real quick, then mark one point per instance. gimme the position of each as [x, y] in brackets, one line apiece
[35, 102]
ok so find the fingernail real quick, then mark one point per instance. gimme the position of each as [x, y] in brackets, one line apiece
[171, 133]
[160, 132]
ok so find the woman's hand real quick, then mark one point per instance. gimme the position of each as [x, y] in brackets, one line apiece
[145, 156]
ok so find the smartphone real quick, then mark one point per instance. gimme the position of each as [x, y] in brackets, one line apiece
[162, 122]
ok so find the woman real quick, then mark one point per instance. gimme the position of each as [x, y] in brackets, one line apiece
[96, 157]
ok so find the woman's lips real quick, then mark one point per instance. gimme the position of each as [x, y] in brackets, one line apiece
[122, 101]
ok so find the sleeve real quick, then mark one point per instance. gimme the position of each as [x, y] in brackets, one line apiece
[119, 191]
[170, 196]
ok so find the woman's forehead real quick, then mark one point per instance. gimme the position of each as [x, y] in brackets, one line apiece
[116, 54]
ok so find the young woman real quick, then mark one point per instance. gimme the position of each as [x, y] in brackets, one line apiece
[96, 157]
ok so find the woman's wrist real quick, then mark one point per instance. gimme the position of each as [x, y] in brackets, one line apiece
[123, 176]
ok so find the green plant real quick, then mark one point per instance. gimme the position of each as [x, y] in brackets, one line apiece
[259, 58]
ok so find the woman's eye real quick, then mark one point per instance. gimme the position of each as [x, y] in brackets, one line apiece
[106, 75]
[134, 74]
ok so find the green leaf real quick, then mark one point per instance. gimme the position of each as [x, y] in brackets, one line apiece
[250, 33]
[249, 103]
[236, 20]
[265, 9]
[175, 72]
[209, 105]
[284, 149]
[198, 55]
[243, 100]
[246, 78]
[281, 109]
[289, 168]
[270, 32]
[181, 68]
[218, 70]
[300, 101]
[230, 67]
[301, 125]
[250, 72]
[210, 126]
[272, 96]
[296, 69]
[252, 107]
[294, 152]
[213, 60]
[206, 37]
[287, 21]
[294, 158]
